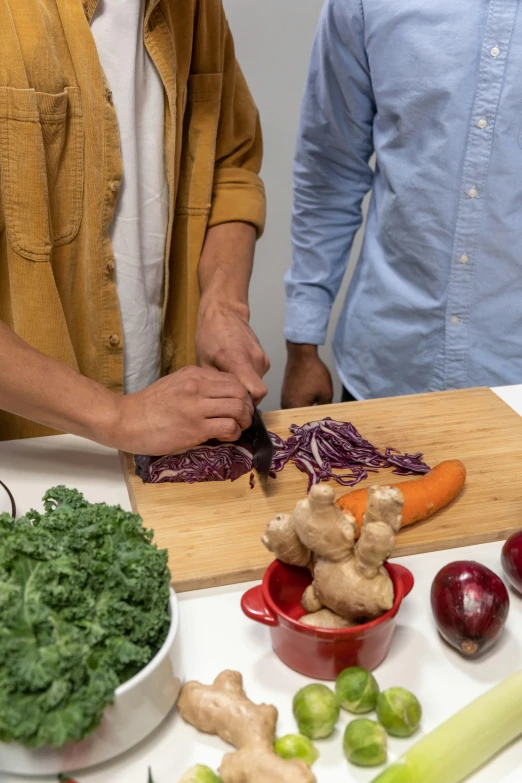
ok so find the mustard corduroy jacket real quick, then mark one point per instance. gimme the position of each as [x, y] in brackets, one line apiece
[60, 171]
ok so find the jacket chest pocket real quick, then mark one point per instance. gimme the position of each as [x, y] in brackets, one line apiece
[200, 127]
[41, 169]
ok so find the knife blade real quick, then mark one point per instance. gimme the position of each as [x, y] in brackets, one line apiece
[262, 447]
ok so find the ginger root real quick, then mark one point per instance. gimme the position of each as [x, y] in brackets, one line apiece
[281, 539]
[310, 602]
[253, 765]
[322, 527]
[324, 618]
[224, 709]
[349, 578]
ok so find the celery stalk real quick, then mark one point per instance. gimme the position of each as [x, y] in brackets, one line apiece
[465, 741]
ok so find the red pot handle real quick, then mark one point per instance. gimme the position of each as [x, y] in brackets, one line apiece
[406, 577]
[253, 605]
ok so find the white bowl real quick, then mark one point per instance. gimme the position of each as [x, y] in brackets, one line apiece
[140, 705]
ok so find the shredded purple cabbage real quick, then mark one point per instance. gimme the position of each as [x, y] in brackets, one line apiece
[318, 449]
[321, 447]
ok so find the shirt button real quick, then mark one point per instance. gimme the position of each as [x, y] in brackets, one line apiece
[495, 51]
[114, 340]
[455, 319]
[464, 258]
[482, 123]
[472, 192]
[115, 186]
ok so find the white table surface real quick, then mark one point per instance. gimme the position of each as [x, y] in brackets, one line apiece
[217, 636]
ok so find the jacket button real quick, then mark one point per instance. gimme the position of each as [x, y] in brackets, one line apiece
[115, 186]
[109, 96]
[114, 340]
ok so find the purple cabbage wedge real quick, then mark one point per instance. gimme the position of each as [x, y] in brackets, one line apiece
[212, 461]
[318, 449]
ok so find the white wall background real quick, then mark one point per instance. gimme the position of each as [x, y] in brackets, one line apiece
[273, 42]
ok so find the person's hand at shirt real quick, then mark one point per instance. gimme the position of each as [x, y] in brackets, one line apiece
[307, 379]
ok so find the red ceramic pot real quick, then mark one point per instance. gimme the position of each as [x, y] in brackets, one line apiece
[320, 653]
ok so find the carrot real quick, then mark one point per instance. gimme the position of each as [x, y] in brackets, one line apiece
[423, 496]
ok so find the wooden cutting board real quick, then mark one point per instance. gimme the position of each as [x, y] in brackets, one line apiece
[212, 530]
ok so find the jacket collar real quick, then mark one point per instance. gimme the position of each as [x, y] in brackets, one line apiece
[91, 5]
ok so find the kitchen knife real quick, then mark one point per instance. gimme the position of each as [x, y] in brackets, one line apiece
[262, 447]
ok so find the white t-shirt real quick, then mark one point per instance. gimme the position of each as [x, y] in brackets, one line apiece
[139, 228]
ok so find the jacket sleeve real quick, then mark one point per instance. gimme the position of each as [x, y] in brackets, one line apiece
[238, 193]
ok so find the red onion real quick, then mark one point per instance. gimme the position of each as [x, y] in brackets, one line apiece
[511, 559]
[318, 449]
[470, 604]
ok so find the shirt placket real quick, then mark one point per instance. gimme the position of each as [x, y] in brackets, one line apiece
[113, 329]
[111, 359]
[102, 182]
[501, 18]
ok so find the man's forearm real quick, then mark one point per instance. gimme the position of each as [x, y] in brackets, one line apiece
[225, 266]
[224, 338]
[50, 393]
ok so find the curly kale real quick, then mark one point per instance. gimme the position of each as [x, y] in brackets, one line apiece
[83, 607]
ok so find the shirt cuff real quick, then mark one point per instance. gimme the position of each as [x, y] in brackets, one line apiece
[238, 195]
[306, 322]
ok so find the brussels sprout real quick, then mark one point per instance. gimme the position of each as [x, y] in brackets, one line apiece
[357, 690]
[200, 774]
[295, 746]
[316, 711]
[399, 712]
[365, 743]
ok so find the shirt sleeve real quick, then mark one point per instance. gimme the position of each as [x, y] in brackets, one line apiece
[238, 193]
[331, 169]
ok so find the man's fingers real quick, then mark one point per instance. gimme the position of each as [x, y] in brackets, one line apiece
[259, 360]
[254, 384]
[303, 388]
[245, 372]
[247, 364]
[234, 393]
[222, 429]
[324, 395]
[324, 399]
[229, 408]
[220, 385]
[217, 376]
[324, 386]
[296, 400]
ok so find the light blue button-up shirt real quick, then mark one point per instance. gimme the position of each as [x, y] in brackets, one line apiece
[434, 88]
